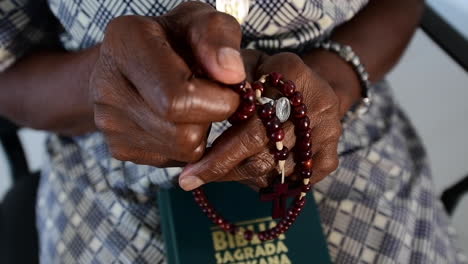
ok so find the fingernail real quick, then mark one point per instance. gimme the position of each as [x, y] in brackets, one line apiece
[230, 59]
[190, 182]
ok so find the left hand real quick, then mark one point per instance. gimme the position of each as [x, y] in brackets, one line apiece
[243, 153]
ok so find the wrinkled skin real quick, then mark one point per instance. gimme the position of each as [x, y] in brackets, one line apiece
[157, 89]
[148, 101]
[154, 85]
[243, 153]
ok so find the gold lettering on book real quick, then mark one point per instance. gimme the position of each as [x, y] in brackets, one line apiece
[234, 249]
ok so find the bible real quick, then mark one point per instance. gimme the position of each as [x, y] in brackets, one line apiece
[191, 238]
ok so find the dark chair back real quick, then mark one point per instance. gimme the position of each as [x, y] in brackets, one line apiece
[18, 235]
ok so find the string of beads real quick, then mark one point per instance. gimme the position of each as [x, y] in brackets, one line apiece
[252, 100]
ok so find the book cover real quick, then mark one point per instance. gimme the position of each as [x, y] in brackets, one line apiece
[191, 238]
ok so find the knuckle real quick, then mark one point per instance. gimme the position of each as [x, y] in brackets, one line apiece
[188, 139]
[105, 124]
[177, 104]
[197, 154]
[335, 131]
[101, 91]
[216, 172]
[214, 22]
[121, 153]
[296, 68]
[189, 156]
[291, 57]
[191, 6]
[223, 19]
[327, 108]
[190, 151]
[331, 135]
[328, 165]
[126, 21]
[116, 23]
[253, 137]
[294, 62]
[259, 165]
[159, 160]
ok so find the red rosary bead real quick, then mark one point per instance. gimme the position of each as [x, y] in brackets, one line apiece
[274, 233]
[292, 214]
[219, 220]
[303, 123]
[248, 108]
[261, 236]
[306, 188]
[241, 116]
[248, 235]
[303, 145]
[277, 135]
[306, 173]
[297, 210]
[212, 215]
[198, 199]
[307, 164]
[304, 134]
[239, 87]
[248, 95]
[299, 111]
[226, 227]
[274, 78]
[258, 86]
[207, 210]
[303, 155]
[300, 202]
[233, 229]
[288, 88]
[205, 203]
[267, 111]
[296, 98]
[273, 124]
[282, 154]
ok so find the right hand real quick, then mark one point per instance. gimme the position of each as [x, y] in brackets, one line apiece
[148, 101]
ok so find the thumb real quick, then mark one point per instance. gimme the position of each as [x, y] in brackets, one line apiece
[214, 38]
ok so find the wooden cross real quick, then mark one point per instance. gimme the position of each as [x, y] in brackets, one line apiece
[279, 196]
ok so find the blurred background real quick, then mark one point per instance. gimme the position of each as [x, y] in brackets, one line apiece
[429, 85]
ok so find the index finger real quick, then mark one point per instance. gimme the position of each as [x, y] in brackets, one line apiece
[231, 148]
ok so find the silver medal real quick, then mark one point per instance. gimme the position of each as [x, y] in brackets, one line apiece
[283, 109]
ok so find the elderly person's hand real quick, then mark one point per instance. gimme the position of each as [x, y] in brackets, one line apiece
[243, 152]
[156, 86]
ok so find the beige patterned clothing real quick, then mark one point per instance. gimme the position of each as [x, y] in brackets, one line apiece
[378, 207]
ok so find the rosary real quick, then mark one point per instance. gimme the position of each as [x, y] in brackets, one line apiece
[273, 114]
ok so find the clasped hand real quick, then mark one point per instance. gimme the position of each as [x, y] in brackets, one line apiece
[160, 82]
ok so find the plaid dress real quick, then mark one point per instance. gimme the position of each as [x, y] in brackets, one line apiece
[379, 206]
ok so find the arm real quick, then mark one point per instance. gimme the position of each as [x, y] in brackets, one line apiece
[378, 34]
[26, 87]
[135, 87]
[49, 91]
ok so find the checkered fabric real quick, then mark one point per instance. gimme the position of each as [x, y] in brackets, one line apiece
[378, 207]
[23, 25]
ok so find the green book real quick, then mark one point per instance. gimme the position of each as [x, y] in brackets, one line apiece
[191, 238]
